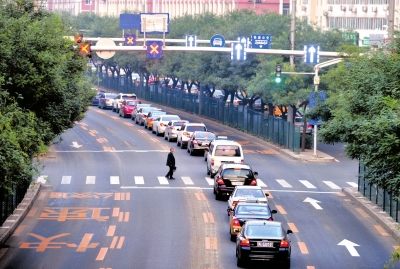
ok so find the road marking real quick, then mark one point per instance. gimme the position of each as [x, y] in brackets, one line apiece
[200, 196]
[154, 139]
[139, 180]
[350, 246]
[307, 184]
[303, 247]
[102, 254]
[163, 180]
[102, 140]
[310, 267]
[114, 180]
[111, 230]
[353, 184]
[208, 217]
[90, 180]
[211, 243]
[362, 212]
[115, 212]
[108, 149]
[85, 243]
[293, 227]
[280, 209]
[283, 183]
[380, 230]
[187, 180]
[210, 181]
[340, 194]
[313, 202]
[66, 180]
[19, 229]
[261, 183]
[332, 185]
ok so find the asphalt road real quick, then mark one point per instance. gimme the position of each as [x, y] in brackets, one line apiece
[107, 205]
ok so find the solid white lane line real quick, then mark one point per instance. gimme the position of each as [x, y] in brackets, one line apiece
[139, 180]
[90, 180]
[307, 184]
[331, 185]
[163, 180]
[284, 183]
[66, 180]
[353, 184]
[261, 183]
[114, 180]
[210, 181]
[187, 180]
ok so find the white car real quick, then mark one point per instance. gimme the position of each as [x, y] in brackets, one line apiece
[186, 131]
[246, 194]
[116, 104]
[171, 131]
[160, 124]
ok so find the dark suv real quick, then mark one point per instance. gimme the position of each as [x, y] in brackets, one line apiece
[230, 175]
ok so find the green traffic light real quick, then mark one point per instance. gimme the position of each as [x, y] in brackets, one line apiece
[278, 80]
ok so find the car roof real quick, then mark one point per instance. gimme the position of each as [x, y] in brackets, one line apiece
[195, 124]
[256, 203]
[225, 142]
[169, 115]
[248, 187]
[263, 222]
[235, 165]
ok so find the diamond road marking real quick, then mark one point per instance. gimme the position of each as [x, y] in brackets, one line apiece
[139, 180]
[90, 180]
[114, 180]
[66, 180]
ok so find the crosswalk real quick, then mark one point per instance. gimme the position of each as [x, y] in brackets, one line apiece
[188, 181]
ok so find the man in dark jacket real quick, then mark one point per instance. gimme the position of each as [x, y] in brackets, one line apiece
[171, 164]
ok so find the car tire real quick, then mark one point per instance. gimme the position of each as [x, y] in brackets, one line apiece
[165, 137]
[177, 143]
[240, 262]
[182, 145]
[233, 236]
[191, 152]
[208, 171]
[218, 196]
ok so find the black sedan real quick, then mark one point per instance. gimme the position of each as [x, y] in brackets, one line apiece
[263, 241]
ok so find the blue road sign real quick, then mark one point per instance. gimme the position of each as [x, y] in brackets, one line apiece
[238, 52]
[261, 41]
[130, 40]
[129, 21]
[191, 41]
[314, 98]
[217, 40]
[154, 49]
[311, 54]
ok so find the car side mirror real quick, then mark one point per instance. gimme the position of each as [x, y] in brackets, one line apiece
[266, 194]
[229, 210]
[289, 231]
[255, 174]
[274, 211]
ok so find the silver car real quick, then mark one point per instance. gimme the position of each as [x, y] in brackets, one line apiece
[171, 131]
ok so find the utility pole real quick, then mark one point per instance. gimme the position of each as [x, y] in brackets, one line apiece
[293, 30]
[391, 10]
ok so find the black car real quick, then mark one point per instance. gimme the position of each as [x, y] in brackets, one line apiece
[263, 241]
[199, 141]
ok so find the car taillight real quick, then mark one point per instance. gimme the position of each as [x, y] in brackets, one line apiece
[220, 181]
[235, 222]
[234, 204]
[194, 141]
[244, 242]
[212, 162]
[284, 244]
[253, 182]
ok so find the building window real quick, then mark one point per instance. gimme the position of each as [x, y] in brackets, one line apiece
[88, 2]
[285, 9]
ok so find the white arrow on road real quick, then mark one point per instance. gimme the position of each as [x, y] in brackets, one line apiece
[311, 52]
[313, 202]
[75, 145]
[350, 247]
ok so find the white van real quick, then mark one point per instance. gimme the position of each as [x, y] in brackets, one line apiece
[222, 151]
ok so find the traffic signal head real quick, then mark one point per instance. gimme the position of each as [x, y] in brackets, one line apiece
[278, 71]
[78, 38]
[85, 50]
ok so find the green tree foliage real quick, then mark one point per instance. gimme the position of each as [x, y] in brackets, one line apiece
[365, 107]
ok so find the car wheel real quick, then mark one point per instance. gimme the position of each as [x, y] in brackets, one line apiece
[286, 264]
[177, 143]
[240, 262]
[233, 237]
[208, 171]
[165, 137]
[218, 196]
[182, 145]
[191, 152]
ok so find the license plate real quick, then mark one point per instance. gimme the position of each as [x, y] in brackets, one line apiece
[237, 183]
[265, 244]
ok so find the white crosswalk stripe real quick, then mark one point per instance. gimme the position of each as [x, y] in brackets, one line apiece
[307, 184]
[187, 180]
[66, 180]
[114, 180]
[210, 181]
[353, 184]
[283, 183]
[163, 180]
[90, 180]
[139, 180]
[261, 183]
[331, 185]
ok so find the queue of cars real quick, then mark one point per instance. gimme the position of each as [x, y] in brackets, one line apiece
[251, 220]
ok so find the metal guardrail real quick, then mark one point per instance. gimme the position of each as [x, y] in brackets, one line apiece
[9, 202]
[382, 198]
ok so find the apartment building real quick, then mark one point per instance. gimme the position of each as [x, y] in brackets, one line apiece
[367, 17]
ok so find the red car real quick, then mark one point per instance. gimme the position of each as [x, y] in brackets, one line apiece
[127, 107]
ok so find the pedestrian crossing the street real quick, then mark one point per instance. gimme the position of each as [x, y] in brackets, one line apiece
[203, 182]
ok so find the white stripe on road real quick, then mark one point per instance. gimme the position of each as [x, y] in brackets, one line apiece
[210, 181]
[332, 185]
[353, 184]
[307, 184]
[139, 180]
[66, 180]
[283, 183]
[114, 180]
[163, 180]
[187, 180]
[261, 183]
[90, 179]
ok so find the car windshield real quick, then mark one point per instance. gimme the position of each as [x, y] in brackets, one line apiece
[195, 128]
[110, 95]
[131, 103]
[205, 136]
[253, 210]
[250, 193]
[168, 118]
[179, 123]
[129, 96]
[232, 172]
[227, 150]
[264, 231]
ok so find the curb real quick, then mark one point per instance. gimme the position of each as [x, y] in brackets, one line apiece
[375, 212]
[12, 222]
